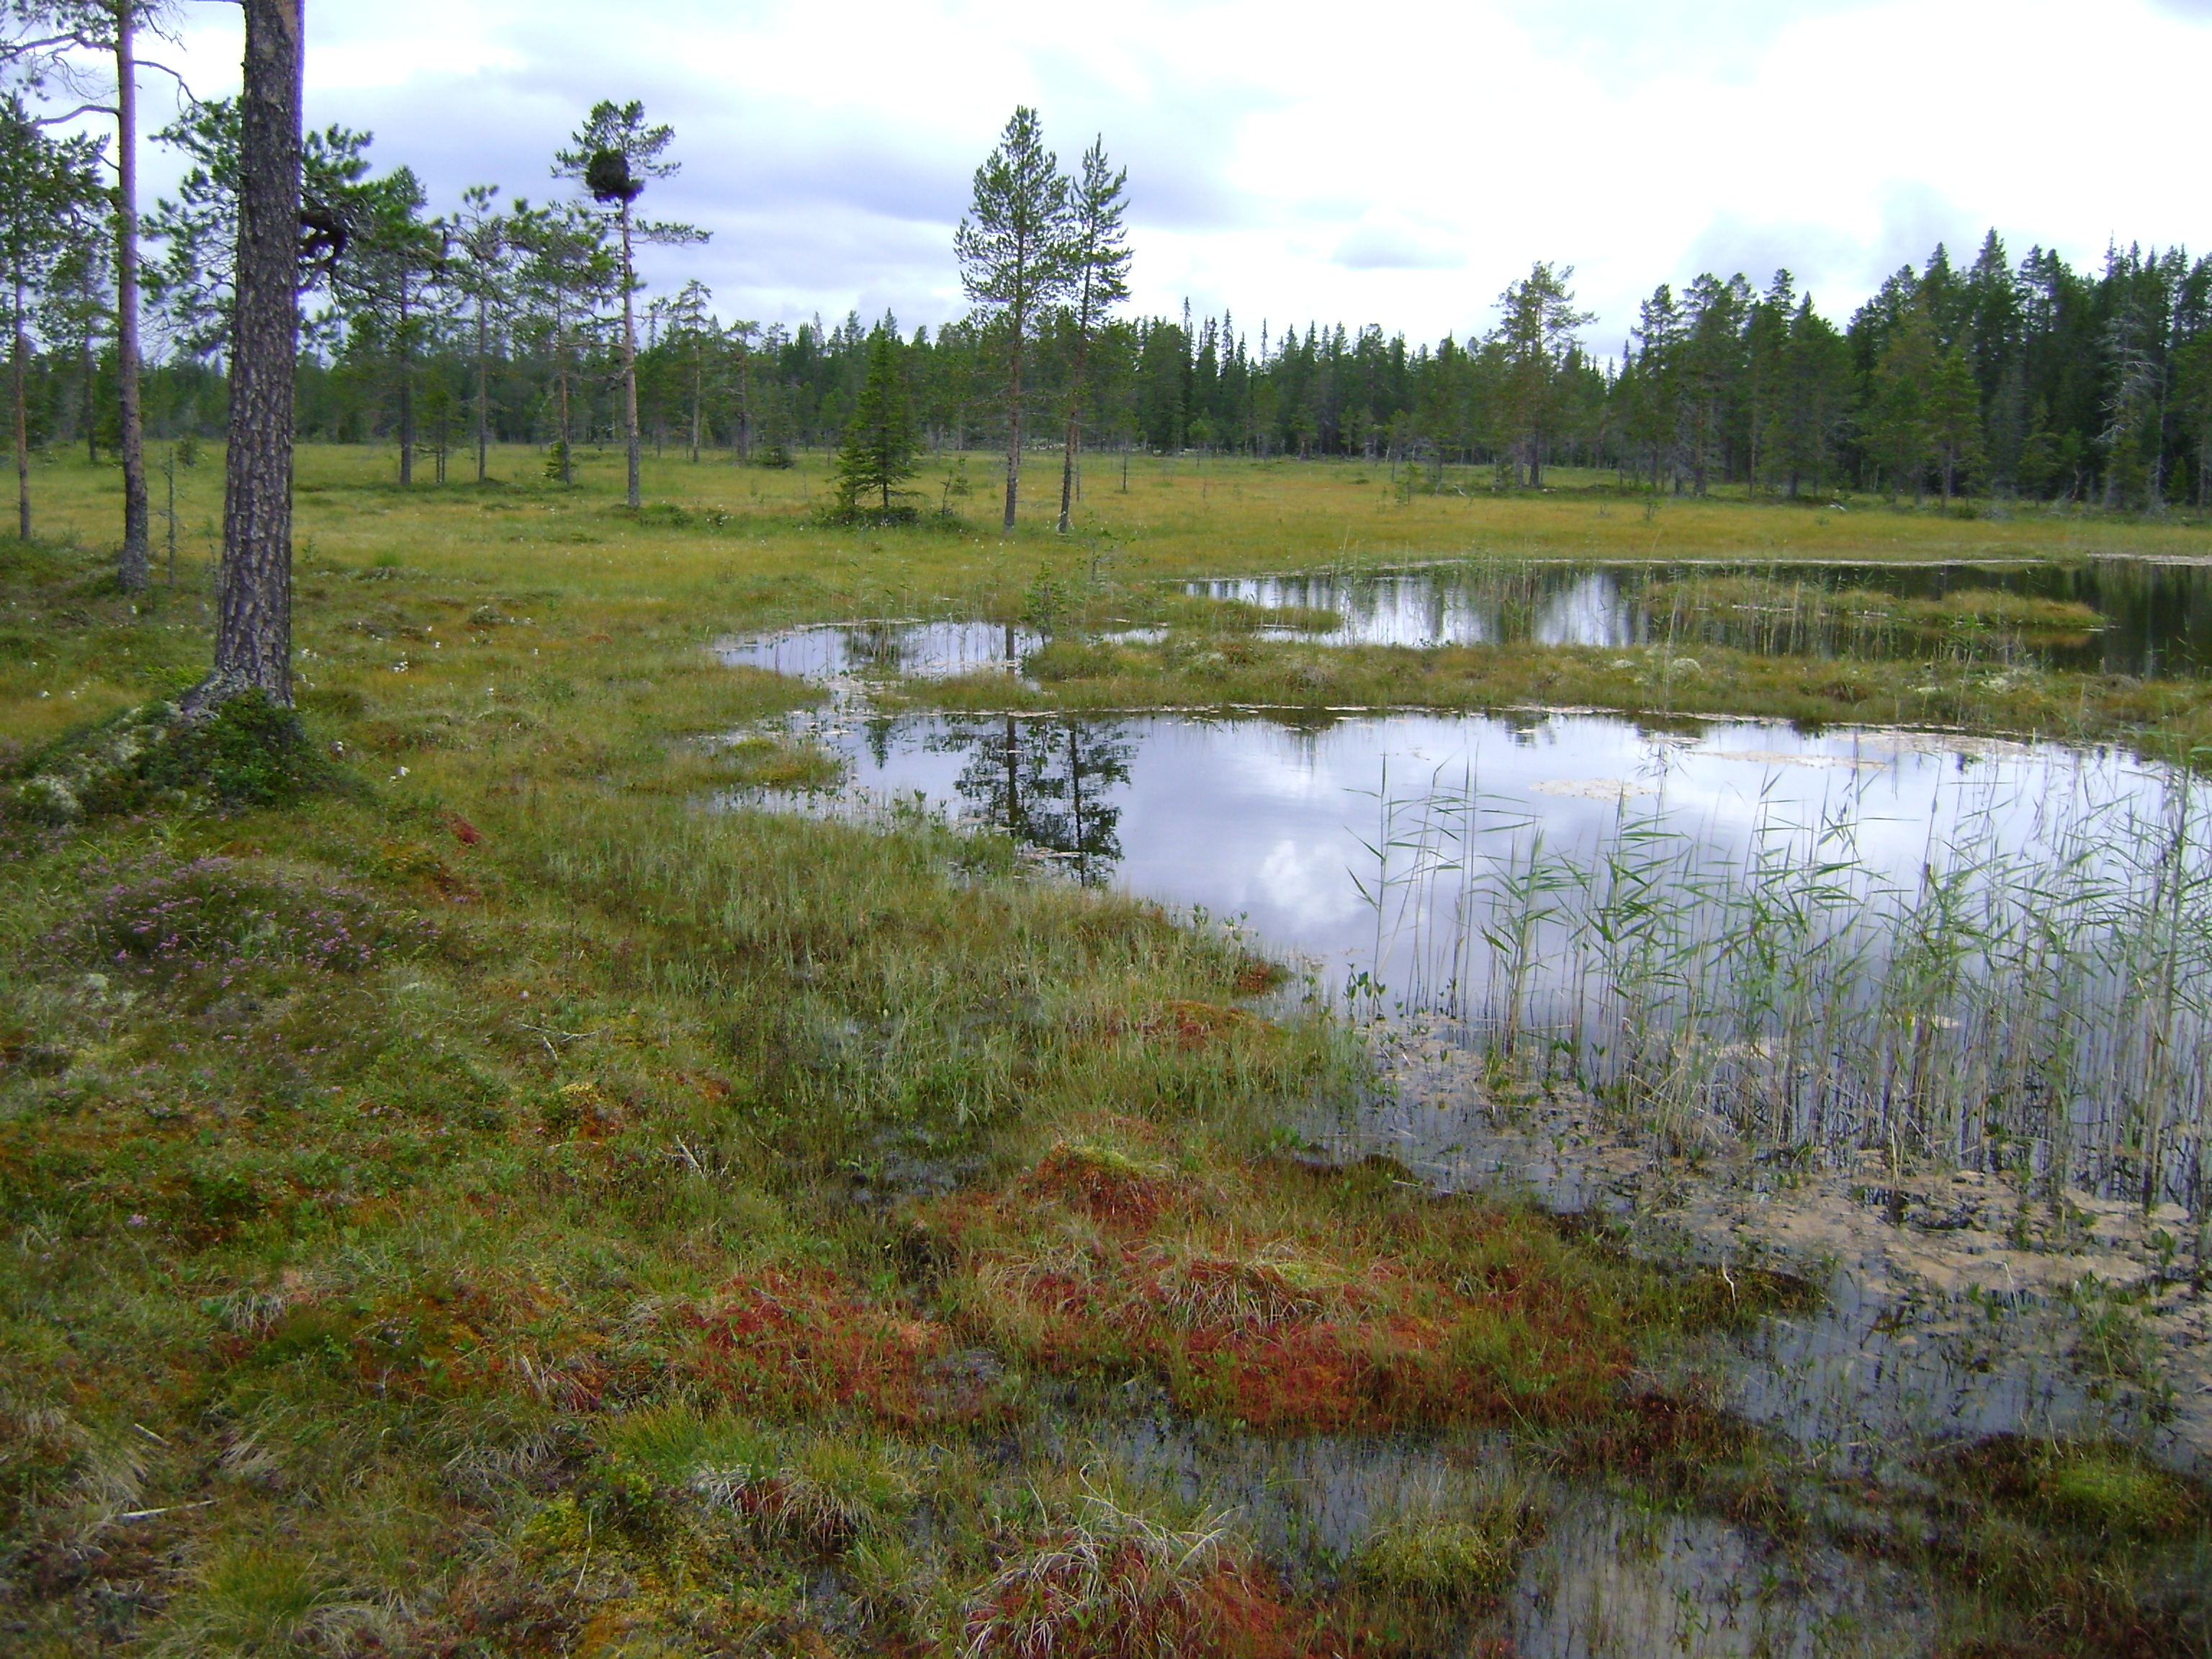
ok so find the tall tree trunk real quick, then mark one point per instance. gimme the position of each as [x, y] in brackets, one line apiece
[23, 421]
[1014, 423]
[406, 394]
[483, 400]
[630, 363]
[561, 378]
[131, 567]
[1074, 429]
[253, 620]
[698, 374]
[90, 373]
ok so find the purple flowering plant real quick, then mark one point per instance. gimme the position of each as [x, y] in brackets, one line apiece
[218, 917]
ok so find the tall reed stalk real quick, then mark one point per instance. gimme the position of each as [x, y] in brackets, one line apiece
[2035, 995]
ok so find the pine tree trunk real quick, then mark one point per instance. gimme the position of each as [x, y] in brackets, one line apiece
[406, 395]
[254, 621]
[630, 363]
[23, 423]
[483, 414]
[1014, 423]
[560, 372]
[91, 378]
[132, 568]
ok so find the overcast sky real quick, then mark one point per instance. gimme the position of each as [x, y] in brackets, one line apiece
[1396, 165]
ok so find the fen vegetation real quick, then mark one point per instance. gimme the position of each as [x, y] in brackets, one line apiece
[476, 1179]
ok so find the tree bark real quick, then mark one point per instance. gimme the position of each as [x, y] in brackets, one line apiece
[1074, 428]
[254, 618]
[630, 363]
[406, 392]
[483, 350]
[88, 373]
[132, 568]
[23, 421]
[1014, 423]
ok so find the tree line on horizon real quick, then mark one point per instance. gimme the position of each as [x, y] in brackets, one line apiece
[507, 321]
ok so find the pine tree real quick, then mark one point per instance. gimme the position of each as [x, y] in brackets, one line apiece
[67, 31]
[50, 195]
[1098, 256]
[1898, 426]
[1536, 335]
[612, 156]
[1013, 248]
[484, 269]
[1955, 418]
[878, 451]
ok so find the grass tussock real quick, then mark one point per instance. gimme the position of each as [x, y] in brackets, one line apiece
[1228, 672]
[1687, 603]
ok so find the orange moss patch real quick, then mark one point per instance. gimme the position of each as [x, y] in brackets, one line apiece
[1106, 1188]
[1254, 974]
[801, 1342]
[1285, 1300]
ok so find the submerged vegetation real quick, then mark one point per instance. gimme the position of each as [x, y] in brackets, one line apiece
[474, 1195]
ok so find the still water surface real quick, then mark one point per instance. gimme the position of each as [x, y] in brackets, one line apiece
[1282, 826]
[2157, 617]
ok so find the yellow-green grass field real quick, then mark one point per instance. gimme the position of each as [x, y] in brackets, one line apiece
[491, 1203]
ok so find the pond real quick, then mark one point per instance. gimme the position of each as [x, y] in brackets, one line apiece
[2134, 616]
[1798, 935]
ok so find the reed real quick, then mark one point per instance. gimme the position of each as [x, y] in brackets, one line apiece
[2039, 1003]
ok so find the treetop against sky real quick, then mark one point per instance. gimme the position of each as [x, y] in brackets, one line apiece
[1290, 162]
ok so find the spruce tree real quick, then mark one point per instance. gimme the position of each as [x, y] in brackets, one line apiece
[878, 455]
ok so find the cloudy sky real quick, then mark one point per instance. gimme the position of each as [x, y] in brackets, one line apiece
[1293, 161]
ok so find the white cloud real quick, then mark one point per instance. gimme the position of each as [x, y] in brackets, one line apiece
[1293, 163]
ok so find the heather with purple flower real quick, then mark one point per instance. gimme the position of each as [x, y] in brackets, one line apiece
[217, 915]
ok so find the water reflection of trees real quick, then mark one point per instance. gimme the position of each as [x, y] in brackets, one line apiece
[2157, 618]
[1047, 783]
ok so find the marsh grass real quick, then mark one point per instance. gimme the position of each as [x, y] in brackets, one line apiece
[503, 1204]
[1197, 669]
[2036, 1008]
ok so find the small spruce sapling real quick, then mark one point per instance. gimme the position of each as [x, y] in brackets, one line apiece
[880, 441]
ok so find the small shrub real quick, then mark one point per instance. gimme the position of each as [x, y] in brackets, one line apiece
[251, 752]
[216, 915]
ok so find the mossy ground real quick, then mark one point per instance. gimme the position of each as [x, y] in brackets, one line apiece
[498, 1205]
